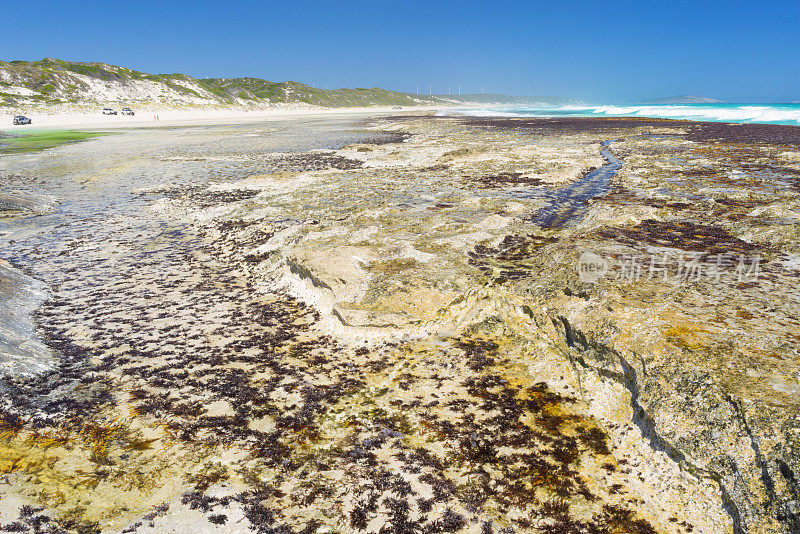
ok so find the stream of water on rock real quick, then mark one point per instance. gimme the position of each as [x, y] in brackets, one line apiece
[570, 201]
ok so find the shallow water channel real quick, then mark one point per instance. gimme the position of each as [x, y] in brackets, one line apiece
[569, 202]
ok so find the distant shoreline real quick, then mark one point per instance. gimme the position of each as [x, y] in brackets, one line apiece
[193, 117]
[747, 132]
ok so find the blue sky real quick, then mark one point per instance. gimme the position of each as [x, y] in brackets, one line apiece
[596, 51]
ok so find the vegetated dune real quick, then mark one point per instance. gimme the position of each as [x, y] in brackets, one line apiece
[53, 82]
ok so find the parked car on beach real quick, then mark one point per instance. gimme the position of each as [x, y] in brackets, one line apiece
[21, 119]
[109, 111]
[127, 111]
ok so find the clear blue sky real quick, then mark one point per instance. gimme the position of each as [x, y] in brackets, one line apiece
[596, 51]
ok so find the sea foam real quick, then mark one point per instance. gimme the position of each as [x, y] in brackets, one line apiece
[743, 113]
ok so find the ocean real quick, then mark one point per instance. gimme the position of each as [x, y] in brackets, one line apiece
[742, 113]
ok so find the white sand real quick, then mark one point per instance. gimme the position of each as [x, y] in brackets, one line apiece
[189, 117]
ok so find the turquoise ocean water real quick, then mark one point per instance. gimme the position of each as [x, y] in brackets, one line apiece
[743, 113]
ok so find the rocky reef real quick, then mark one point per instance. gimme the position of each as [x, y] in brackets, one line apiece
[392, 337]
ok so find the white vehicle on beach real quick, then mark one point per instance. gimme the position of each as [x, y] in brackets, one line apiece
[21, 119]
[126, 111]
[109, 111]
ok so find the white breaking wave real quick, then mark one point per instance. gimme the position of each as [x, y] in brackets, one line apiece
[745, 113]
[763, 113]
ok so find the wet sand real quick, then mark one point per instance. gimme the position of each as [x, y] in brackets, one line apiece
[338, 325]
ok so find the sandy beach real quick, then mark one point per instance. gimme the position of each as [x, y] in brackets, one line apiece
[190, 117]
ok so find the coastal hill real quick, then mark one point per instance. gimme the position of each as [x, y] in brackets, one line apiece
[510, 100]
[53, 82]
[685, 99]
